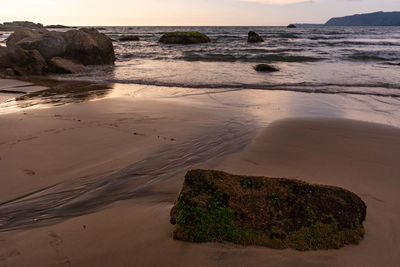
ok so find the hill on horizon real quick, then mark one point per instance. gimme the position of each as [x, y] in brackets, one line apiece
[371, 19]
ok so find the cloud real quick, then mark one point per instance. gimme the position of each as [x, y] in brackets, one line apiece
[280, 2]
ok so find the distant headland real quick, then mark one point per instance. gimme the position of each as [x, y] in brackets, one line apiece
[370, 19]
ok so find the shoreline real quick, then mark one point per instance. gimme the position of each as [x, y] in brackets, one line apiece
[75, 146]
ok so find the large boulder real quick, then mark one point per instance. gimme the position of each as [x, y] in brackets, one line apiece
[253, 37]
[49, 44]
[215, 206]
[62, 65]
[89, 47]
[291, 26]
[4, 57]
[27, 61]
[190, 37]
[24, 33]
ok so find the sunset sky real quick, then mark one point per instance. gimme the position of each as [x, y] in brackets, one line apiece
[187, 12]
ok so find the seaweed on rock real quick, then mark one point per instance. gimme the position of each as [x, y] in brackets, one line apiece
[189, 37]
[215, 206]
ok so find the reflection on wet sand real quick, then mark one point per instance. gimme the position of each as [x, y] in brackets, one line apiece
[89, 194]
[55, 92]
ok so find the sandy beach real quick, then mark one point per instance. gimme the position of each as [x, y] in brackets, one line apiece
[66, 159]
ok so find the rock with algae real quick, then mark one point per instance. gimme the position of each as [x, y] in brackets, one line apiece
[215, 206]
[189, 37]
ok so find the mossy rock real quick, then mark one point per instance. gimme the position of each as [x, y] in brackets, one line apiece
[215, 206]
[184, 38]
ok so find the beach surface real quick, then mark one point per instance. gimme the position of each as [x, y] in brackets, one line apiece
[49, 154]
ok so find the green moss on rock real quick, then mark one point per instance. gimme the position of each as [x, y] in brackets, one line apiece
[215, 206]
[189, 37]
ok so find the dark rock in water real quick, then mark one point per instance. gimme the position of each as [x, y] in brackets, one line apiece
[101, 29]
[27, 61]
[291, 26]
[184, 38]
[62, 65]
[253, 37]
[129, 38]
[215, 206]
[58, 26]
[16, 25]
[265, 68]
[89, 47]
[4, 57]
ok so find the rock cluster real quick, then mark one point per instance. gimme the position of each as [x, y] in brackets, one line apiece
[215, 206]
[253, 37]
[15, 25]
[39, 51]
[184, 38]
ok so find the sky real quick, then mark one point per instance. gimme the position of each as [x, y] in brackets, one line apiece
[186, 12]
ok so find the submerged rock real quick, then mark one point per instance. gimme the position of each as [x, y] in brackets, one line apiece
[291, 26]
[129, 38]
[190, 37]
[215, 206]
[265, 68]
[253, 37]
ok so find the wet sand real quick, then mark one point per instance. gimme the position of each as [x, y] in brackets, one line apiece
[359, 156]
[76, 144]
[44, 147]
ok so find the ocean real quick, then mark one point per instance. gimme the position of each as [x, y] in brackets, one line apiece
[350, 61]
[353, 60]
